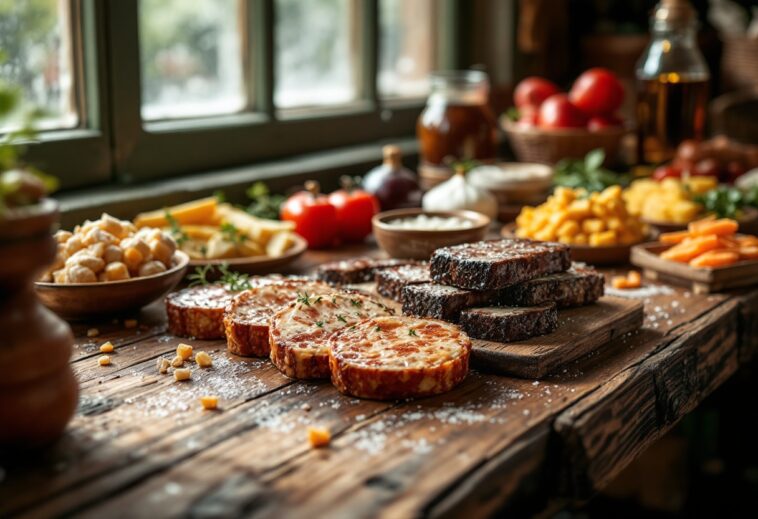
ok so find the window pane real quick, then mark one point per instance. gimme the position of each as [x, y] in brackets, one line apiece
[316, 46]
[406, 47]
[191, 55]
[35, 43]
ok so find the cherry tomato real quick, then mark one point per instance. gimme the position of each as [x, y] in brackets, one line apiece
[597, 91]
[706, 168]
[599, 123]
[666, 171]
[315, 218]
[355, 208]
[558, 112]
[532, 91]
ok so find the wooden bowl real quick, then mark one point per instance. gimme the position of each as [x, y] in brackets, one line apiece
[87, 300]
[549, 146]
[605, 255]
[258, 264]
[420, 244]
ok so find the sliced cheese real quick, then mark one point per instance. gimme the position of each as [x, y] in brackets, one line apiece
[199, 212]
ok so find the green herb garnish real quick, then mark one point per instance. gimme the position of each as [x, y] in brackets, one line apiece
[356, 302]
[378, 329]
[180, 237]
[200, 276]
[341, 318]
[303, 298]
[232, 234]
[234, 281]
[588, 173]
[728, 202]
[411, 331]
[262, 203]
[320, 324]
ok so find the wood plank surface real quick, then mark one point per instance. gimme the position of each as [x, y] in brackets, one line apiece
[581, 331]
[141, 446]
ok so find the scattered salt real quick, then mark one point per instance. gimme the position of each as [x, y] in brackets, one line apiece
[640, 293]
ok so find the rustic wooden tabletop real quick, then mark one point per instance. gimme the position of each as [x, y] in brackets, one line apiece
[141, 446]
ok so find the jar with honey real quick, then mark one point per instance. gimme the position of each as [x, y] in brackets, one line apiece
[672, 84]
[457, 123]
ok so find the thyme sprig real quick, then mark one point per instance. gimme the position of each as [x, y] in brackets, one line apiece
[180, 237]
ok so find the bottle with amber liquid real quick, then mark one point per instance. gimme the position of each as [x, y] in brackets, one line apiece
[457, 124]
[672, 84]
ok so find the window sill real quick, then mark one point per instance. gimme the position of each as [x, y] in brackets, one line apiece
[124, 201]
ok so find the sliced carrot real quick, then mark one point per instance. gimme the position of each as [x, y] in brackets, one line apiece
[722, 227]
[749, 252]
[691, 249]
[728, 242]
[715, 258]
[747, 241]
[674, 237]
[620, 282]
[634, 278]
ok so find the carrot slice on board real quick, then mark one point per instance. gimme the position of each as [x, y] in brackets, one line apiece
[674, 237]
[691, 249]
[722, 227]
[715, 258]
[749, 252]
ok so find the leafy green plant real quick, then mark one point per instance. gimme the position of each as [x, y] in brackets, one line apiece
[263, 203]
[728, 202]
[588, 173]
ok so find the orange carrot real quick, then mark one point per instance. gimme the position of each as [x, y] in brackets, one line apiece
[691, 249]
[722, 227]
[673, 237]
[715, 258]
[749, 252]
[747, 241]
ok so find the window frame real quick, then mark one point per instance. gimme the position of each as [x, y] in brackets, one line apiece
[81, 156]
[192, 145]
[112, 144]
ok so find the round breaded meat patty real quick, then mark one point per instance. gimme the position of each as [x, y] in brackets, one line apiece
[388, 358]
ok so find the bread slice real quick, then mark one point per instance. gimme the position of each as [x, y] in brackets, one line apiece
[389, 358]
[508, 324]
[490, 265]
[442, 301]
[580, 285]
[198, 312]
[298, 333]
[246, 319]
[356, 270]
[391, 281]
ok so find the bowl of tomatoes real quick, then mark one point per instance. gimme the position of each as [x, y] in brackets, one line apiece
[547, 125]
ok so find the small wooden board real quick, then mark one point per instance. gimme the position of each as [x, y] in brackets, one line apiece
[701, 280]
[581, 330]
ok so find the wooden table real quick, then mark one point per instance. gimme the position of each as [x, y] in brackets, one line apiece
[140, 445]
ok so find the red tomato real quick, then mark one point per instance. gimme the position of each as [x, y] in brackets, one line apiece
[315, 218]
[601, 122]
[666, 171]
[532, 91]
[355, 208]
[597, 91]
[558, 112]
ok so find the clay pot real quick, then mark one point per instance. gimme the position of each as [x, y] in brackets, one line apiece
[38, 391]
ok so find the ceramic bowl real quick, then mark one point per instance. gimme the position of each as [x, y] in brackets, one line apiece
[420, 244]
[88, 300]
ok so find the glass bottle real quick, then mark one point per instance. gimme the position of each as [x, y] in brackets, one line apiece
[457, 123]
[672, 84]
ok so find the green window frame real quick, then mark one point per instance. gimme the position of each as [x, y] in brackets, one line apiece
[114, 144]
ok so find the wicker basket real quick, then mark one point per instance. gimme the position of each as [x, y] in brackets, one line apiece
[739, 63]
[550, 146]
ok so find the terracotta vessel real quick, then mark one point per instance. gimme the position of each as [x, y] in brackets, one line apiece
[38, 390]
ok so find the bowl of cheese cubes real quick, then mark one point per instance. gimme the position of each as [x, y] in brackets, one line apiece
[108, 266]
[597, 226]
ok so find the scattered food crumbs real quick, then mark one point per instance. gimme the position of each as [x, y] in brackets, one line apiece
[178, 361]
[631, 280]
[106, 347]
[209, 402]
[163, 365]
[640, 293]
[184, 350]
[182, 374]
[203, 360]
[318, 437]
[306, 407]
[104, 360]
[93, 332]
[130, 323]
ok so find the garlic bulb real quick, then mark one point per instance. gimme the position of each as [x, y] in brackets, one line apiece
[456, 193]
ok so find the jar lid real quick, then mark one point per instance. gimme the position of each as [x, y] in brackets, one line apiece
[675, 11]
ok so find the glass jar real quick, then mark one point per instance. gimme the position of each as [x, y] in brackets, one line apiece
[457, 123]
[672, 84]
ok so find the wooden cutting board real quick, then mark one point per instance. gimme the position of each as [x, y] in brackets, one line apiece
[580, 331]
